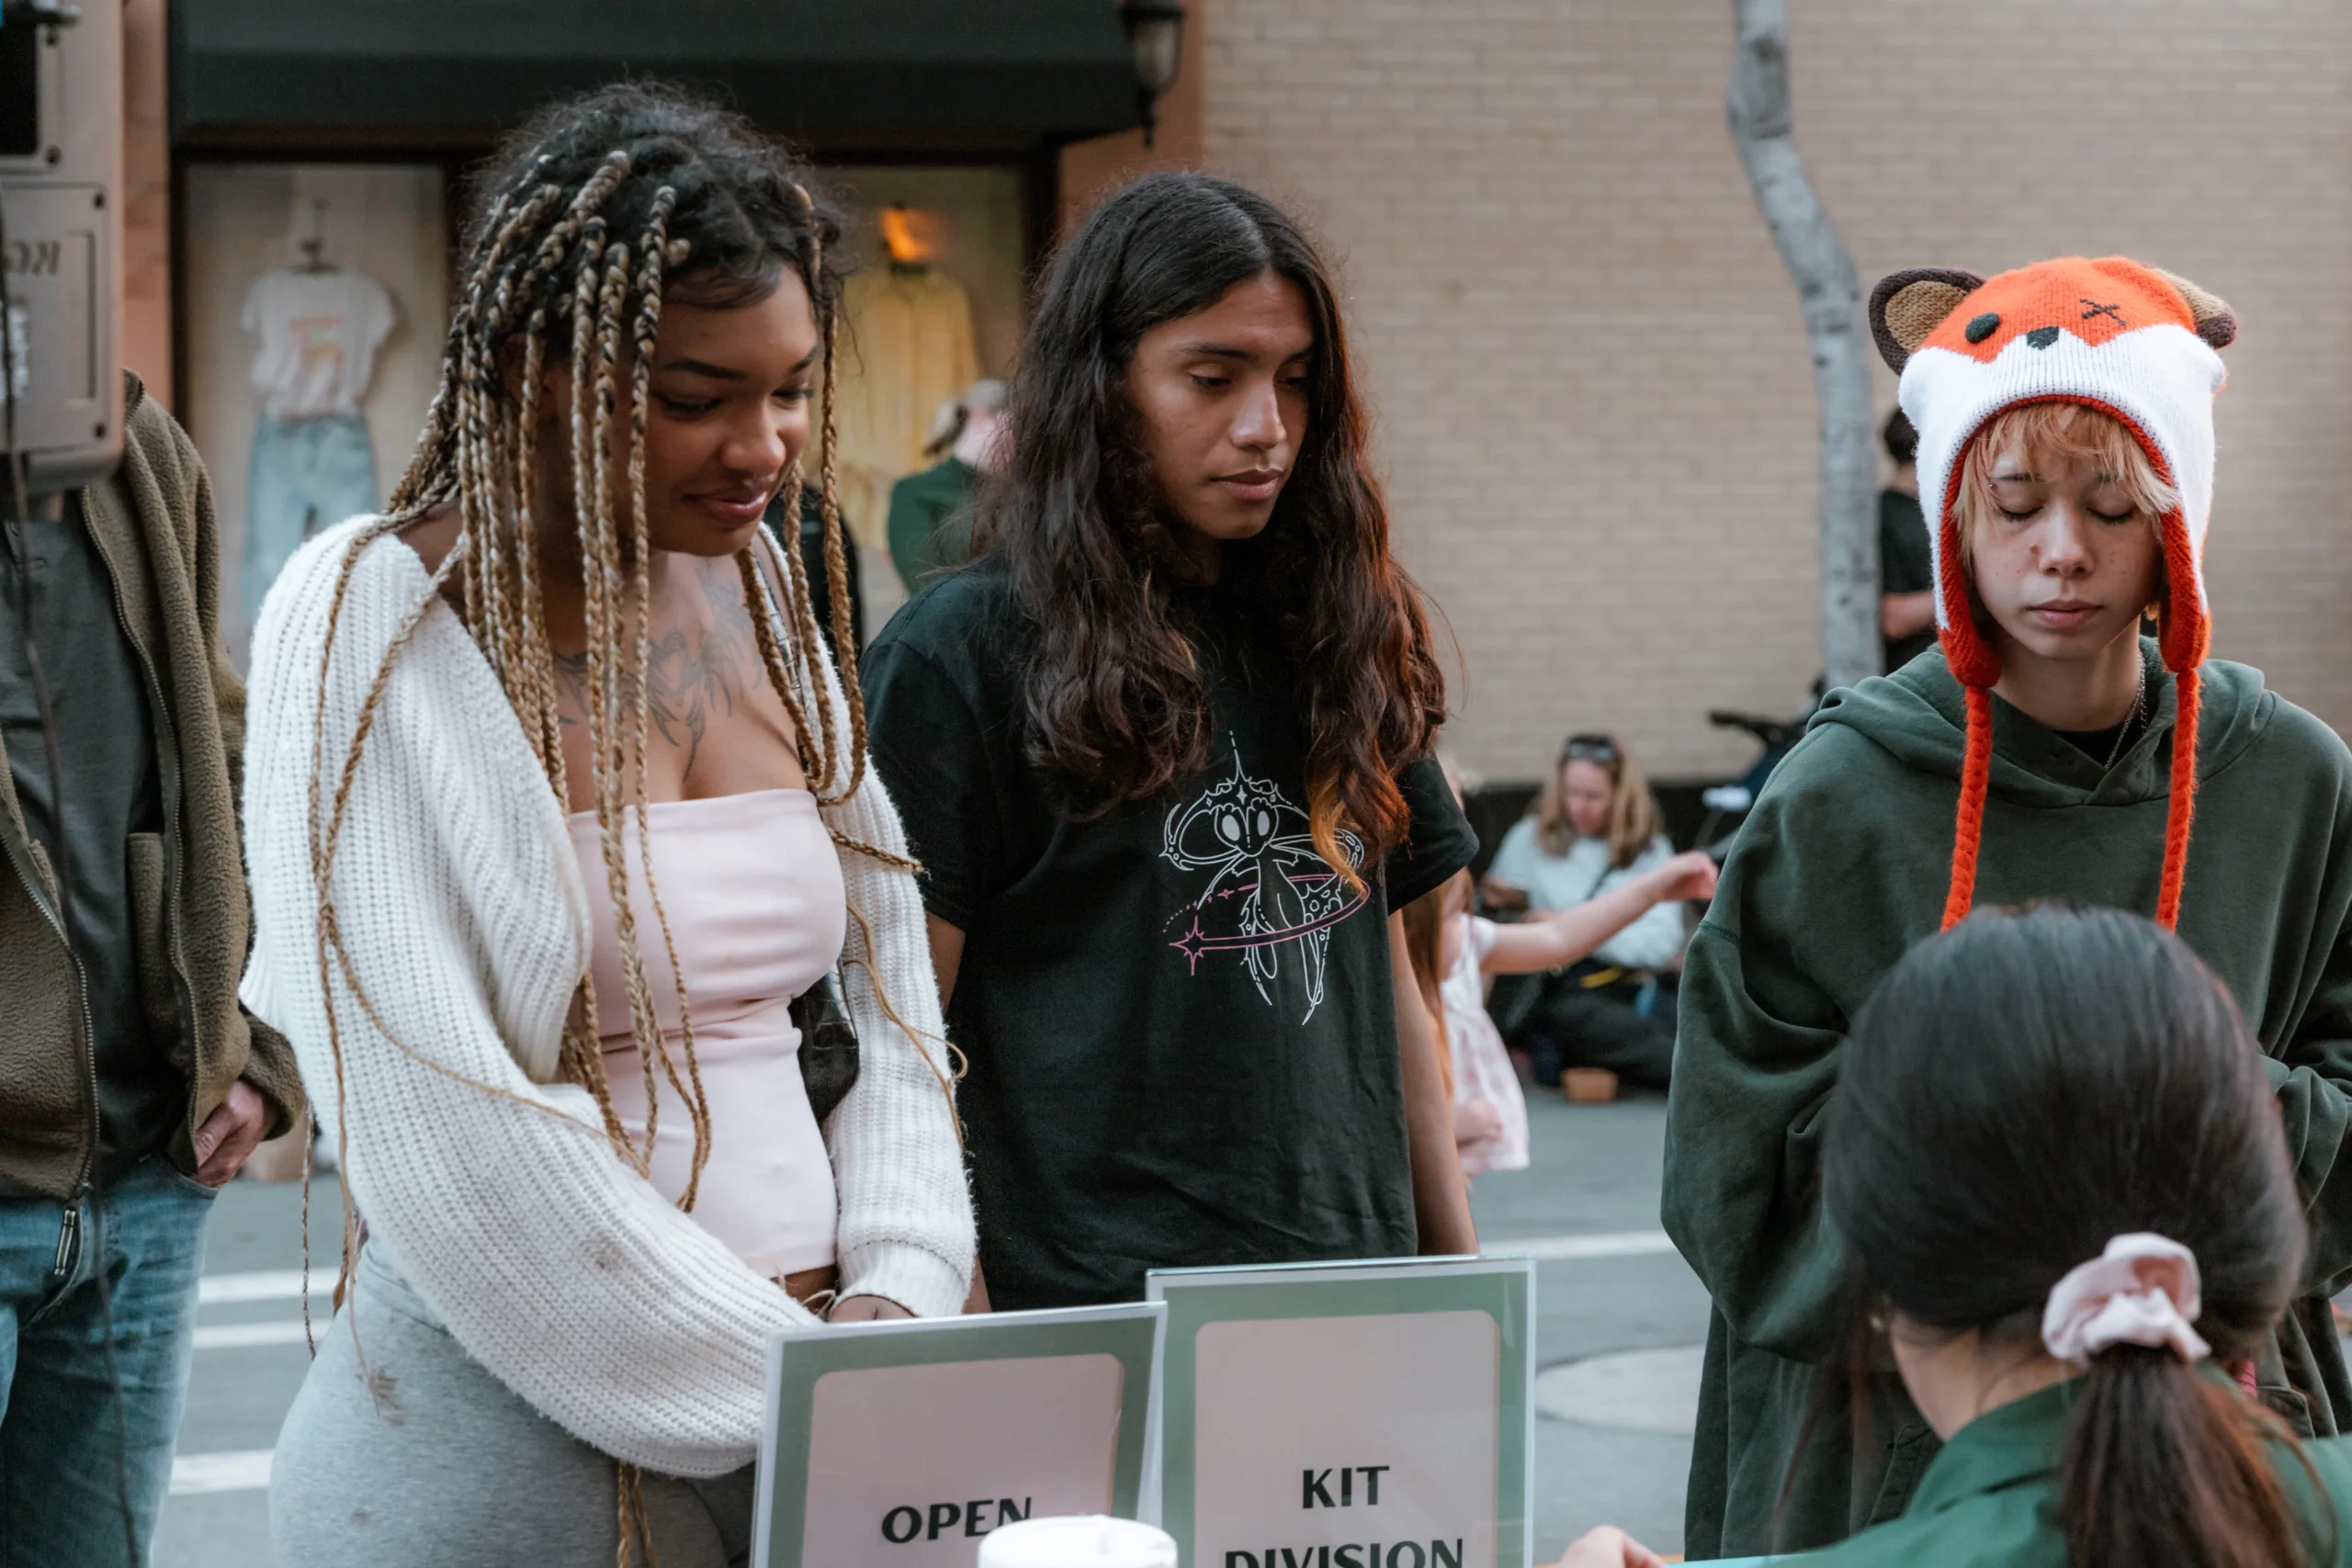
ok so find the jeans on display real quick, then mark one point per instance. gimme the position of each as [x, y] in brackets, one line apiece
[85, 1446]
[305, 475]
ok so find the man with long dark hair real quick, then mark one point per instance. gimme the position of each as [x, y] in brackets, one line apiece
[1165, 753]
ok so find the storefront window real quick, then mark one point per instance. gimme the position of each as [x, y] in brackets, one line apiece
[923, 326]
[316, 297]
[317, 294]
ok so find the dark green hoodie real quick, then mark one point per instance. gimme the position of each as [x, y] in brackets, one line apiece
[1840, 868]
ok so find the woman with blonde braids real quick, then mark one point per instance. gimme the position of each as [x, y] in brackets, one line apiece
[555, 804]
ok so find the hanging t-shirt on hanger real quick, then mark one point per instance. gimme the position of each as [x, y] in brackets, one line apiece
[910, 330]
[313, 462]
[319, 334]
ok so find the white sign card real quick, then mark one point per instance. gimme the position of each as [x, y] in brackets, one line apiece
[904, 1442]
[1349, 1415]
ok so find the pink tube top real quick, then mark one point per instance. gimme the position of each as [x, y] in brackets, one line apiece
[753, 892]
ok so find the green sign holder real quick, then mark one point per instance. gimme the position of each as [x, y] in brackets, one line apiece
[799, 1359]
[1503, 1287]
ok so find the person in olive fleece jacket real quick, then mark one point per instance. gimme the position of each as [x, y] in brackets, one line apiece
[1915, 796]
[131, 1084]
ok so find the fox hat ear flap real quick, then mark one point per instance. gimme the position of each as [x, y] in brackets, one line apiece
[1908, 305]
[2216, 323]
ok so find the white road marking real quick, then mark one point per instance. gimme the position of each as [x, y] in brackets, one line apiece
[1626, 1391]
[245, 1335]
[269, 1285]
[245, 1469]
[1561, 1249]
[248, 1470]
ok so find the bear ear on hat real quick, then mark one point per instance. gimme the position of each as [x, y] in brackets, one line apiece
[2216, 323]
[1908, 305]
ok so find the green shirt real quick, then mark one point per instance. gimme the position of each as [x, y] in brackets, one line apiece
[1990, 1498]
[1842, 867]
[931, 524]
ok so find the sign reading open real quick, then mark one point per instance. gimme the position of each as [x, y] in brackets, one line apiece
[905, 1441]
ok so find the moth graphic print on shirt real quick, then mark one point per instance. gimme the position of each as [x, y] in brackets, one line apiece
[1270, 897]
[1181, 1025]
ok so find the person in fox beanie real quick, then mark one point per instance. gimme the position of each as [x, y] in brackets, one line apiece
[2129, 342]
[2050, 751]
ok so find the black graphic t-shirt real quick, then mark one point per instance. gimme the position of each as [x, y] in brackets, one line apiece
[1178, 1020]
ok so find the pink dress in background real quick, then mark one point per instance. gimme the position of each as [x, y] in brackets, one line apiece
[1482, 1068]
[753, 892]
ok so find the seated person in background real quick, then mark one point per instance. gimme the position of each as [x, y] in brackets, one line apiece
[930, 527]
[1906, 599]
[2054, 1163]
[1489, 1114]
[1595, 831]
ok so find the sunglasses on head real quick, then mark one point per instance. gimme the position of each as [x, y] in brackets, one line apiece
[1589, 749]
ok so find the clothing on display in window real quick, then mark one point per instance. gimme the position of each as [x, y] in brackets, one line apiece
[910, 348]
[305, 475]
[319, 332]
[313, 464]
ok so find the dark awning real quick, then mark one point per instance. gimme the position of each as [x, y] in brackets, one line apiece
[1004, 74]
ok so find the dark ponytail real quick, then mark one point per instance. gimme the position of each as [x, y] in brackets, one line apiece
[2164, 1466]
[2018, 1092]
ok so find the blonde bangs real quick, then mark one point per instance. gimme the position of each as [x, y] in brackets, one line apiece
[2043, 434]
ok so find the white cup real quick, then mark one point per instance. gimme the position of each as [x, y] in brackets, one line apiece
[1086, 1541]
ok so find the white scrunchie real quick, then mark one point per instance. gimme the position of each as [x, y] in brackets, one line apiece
[2142, 1290]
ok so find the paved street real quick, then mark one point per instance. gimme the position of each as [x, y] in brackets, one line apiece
[1596, 1175]
[1610, 1291]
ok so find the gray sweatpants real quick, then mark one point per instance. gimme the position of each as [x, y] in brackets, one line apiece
[441, 1466]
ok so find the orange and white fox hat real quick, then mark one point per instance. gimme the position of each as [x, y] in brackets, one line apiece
[2135, 344]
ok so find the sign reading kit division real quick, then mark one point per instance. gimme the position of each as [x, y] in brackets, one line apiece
[1349, 1415]
[906, 1442]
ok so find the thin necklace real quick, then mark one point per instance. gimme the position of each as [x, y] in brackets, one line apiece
[2135, 718]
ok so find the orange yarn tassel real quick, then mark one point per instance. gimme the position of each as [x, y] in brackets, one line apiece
[2182, 806]
[1976, 781]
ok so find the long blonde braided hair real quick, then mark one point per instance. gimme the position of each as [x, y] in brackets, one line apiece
[598, 208]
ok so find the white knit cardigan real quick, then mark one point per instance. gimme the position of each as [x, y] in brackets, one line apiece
[491, 1184]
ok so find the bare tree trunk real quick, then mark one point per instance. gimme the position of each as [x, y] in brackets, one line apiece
[1762, 128]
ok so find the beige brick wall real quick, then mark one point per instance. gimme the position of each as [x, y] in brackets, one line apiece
[1595, 399]
[147, 200]
[1090, 170]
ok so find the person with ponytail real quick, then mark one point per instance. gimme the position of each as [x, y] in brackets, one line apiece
[2049, 751]
[2071, 1225]
[567, 856]
[1166, 751]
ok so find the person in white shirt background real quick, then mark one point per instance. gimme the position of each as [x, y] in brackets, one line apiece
[1595, 831]
[1468, 950]
[1457, 954]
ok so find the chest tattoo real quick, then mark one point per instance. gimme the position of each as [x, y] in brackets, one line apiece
[692, 675]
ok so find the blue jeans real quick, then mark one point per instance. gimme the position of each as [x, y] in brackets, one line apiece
[304, 475]
[82, 1473]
